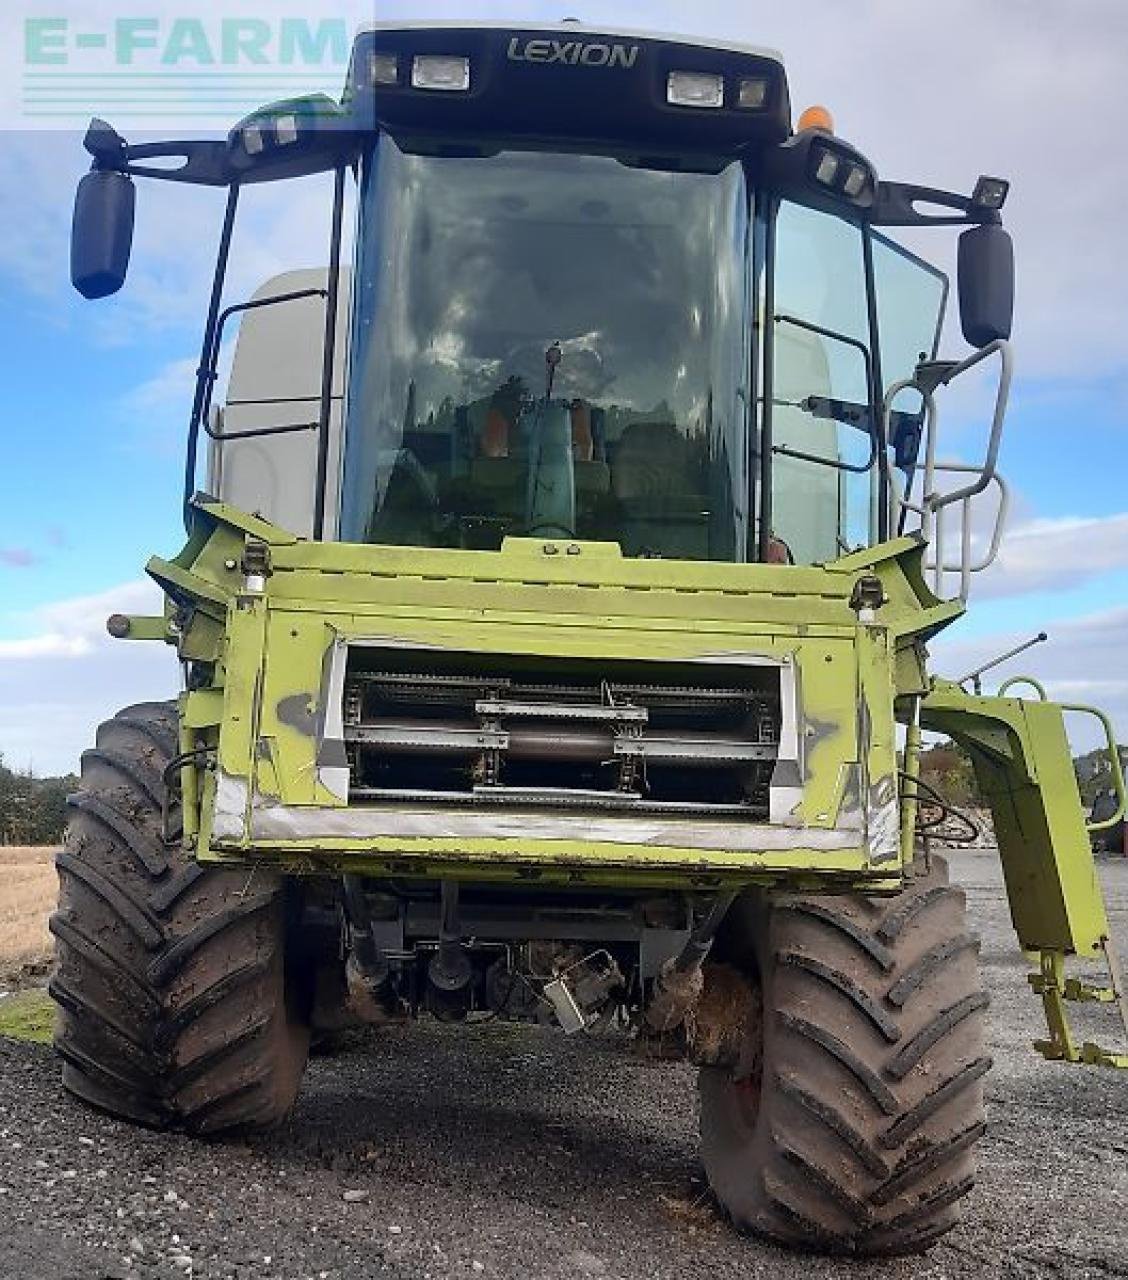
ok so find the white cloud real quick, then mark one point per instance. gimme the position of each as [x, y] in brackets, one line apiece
[1082, 662]
[85, 616]
[63, 678]
[48, 645]
[1042, 554]
[170, 387]
[982, 91]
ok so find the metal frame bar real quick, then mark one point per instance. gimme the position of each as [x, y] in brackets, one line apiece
[932, 504]
[767, 388]
[858, 345]
[881, 438]
[210, 346]
[1116, 770]
[203, 373]
[329, 353]
[937, 563]
[213, 359]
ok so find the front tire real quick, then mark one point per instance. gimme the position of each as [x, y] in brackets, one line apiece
[850, 1125]
[175, 1005]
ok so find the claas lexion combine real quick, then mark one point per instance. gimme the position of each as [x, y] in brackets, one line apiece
[553, 624]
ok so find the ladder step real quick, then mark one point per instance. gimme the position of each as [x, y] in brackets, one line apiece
[1094, 1056]
[1074, 989]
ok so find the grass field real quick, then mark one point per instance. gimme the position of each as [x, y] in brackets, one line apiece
[27, 896]
[27, 1015]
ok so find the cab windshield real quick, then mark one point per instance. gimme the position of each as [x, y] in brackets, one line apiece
[549, 345]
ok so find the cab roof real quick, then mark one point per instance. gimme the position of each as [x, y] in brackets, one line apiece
[567, 84]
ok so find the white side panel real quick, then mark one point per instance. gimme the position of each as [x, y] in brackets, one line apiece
[276, 381]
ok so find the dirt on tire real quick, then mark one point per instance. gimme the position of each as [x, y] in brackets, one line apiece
[175, 1005]
[855, 1130]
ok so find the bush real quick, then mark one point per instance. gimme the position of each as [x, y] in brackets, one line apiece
[33, 810]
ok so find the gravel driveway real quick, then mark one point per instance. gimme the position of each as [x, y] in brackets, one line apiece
[506, 1152]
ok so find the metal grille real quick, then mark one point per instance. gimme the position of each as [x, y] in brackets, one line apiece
[563, 741]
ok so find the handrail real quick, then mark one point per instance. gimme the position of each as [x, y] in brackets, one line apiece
[931, 499]
[867, 360]
[211, 371]
[938, 564]
[932, 504]
[1116, 768]
[1111, 749]
[1038, 687]
[1002, 396]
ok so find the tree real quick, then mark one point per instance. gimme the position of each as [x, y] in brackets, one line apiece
[1094, 773]
[947, 768]
[33, 810]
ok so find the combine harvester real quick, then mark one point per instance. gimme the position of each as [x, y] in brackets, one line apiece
[564, 570]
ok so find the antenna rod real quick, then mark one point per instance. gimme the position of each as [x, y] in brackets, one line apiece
[976, 676]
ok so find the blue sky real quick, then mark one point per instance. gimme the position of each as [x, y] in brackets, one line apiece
[97, 395]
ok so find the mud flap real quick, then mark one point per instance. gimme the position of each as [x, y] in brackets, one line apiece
[1024, 768]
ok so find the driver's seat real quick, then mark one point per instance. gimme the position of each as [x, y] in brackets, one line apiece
[658, 477]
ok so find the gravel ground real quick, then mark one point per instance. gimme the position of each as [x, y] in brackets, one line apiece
[508, 1152]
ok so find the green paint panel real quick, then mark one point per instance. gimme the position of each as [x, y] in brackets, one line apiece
[1024, 767]
[530, 605]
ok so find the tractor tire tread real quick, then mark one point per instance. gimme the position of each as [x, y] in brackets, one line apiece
[175, 1008]
[856, 1135]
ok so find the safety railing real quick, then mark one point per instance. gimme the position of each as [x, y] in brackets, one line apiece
[933, 502]
[937, 562]
[1111, 750]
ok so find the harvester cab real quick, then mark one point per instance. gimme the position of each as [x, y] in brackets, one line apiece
[566, 567]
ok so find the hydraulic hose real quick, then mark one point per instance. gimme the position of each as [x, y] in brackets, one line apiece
[700, 941]
[679, 985]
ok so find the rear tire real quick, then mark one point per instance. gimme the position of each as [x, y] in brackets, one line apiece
[175, 1006]
[851, 1123]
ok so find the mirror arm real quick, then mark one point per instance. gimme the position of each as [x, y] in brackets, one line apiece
[896, 201]
[205, 161]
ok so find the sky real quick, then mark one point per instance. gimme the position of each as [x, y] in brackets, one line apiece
[97, 394]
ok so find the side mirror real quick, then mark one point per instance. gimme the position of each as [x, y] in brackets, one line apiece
[986, 284]
[102, 232]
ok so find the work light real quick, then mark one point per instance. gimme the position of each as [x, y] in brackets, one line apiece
[752, 94]
[695, 89]
[826, 169]
[990, 193]
[383, 69]
[434, 71]
[855, 180]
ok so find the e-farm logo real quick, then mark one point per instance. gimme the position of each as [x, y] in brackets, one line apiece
[157, 66]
